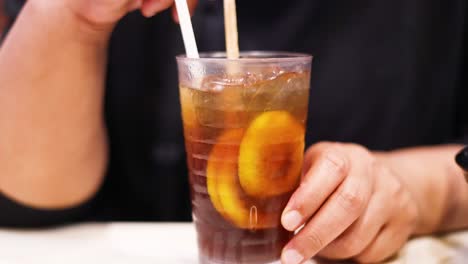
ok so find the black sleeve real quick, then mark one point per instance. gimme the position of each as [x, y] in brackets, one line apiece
[462, 94]
[464, 104]
[11, 9]
[14, 214]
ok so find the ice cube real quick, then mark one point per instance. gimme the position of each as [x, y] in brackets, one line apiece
[262, 73]
[288, 91]
[292, 94]
[221, 92]
[230, 101]
[219, 101]
[259, 97]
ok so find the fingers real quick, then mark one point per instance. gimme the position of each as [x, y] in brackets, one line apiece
[328, 168]
[387, 243]
[151, 7]
[358, 237]
[357, 208]
[192, 4]
[396, 232]
[336, 215]
[354, 240]
[136, 4]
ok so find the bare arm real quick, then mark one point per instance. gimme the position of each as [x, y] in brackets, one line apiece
[53, 149]
[52, 140]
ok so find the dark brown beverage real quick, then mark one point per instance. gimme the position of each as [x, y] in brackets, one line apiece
[244, 137]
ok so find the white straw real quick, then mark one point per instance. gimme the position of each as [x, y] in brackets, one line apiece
[187, 29]
[230, 24]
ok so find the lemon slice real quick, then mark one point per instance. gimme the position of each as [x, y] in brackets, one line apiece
[271, 154]
[224, 188]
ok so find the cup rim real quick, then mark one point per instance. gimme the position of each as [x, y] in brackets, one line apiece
[250, 56]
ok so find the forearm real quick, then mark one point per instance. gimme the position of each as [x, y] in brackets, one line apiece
[437, 184]
[52, 136]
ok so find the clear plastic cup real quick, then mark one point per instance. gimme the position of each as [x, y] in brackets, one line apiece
[244, 126]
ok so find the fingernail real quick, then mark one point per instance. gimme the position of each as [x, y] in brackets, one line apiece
[291, 256]
[291, 220]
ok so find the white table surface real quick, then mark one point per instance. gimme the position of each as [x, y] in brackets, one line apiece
[167, 243]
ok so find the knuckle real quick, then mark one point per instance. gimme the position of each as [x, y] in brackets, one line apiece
[363, 154]
[318, 148]
[376, 169]
[371, 159]
[359, 149]
[395, 187]
[336, 161]
[391, 184]
[412, 214]
[407, 199]
[352, 200]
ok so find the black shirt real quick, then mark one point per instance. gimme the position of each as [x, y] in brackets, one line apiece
[386, 74]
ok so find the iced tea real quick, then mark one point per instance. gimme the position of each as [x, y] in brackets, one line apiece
[244, 137]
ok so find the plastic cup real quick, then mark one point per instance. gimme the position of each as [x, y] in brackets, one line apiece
[244, 126]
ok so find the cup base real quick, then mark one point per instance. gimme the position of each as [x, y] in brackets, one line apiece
[207, 260]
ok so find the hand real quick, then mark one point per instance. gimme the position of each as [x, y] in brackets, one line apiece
[358, 208]
[105, 13]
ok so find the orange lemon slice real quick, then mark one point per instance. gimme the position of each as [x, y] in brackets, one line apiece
[224, 188]
[270, 155]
